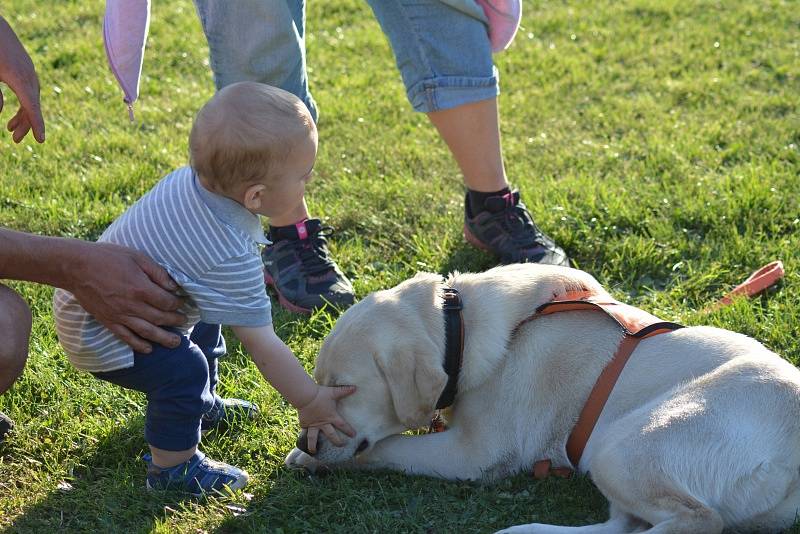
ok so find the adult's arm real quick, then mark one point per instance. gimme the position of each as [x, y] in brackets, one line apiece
[122, 288]
[16, 71]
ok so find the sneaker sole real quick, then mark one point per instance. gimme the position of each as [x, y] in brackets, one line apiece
[238, 484]
[284, 302]
[474, 241]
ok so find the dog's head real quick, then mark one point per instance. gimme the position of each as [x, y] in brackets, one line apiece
[390, 346]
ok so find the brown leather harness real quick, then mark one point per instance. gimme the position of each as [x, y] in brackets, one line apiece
[636, 325]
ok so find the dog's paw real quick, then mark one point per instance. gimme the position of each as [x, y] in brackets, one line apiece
[297, 459]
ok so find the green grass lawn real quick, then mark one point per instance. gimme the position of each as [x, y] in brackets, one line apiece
[657, 140]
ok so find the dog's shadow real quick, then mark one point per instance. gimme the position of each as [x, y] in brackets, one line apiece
[467, 259]
[386, 502]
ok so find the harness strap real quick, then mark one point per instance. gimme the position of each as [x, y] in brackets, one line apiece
[633, 321]
[597, 400]
[637, 325]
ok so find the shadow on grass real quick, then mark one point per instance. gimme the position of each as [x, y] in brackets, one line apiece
[467, 259]
[386, 502]
[105, 492]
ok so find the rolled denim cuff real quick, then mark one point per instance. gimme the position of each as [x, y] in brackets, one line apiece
[447, 92]
[178, 435]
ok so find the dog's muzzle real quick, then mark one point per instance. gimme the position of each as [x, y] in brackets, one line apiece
[302, 444]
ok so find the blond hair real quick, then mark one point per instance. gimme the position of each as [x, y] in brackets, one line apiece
[244, 131]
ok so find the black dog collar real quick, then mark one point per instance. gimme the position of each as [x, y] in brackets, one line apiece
[453, 345]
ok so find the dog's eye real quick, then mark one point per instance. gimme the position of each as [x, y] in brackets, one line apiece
[362, 446]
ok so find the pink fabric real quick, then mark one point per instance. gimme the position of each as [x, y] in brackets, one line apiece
[125, 29]
[504, 17]
[302, 231]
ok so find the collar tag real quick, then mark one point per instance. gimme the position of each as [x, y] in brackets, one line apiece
[452, 301]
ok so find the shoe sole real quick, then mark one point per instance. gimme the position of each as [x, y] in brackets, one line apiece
[284, 302]
[474, 241]
[238, 484]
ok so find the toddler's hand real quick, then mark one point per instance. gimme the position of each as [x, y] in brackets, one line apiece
[321, 414]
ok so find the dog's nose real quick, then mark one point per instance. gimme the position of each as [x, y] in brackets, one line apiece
[302, 442]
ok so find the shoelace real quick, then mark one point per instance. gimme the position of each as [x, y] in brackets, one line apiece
[313, 252]
[519, 227]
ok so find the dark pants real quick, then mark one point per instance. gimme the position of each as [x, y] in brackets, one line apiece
[180, 385]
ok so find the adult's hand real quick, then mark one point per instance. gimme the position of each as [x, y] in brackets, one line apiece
[17, 71]
[126, 292]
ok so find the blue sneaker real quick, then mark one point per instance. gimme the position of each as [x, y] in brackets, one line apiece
[199, 476]
[228, 413]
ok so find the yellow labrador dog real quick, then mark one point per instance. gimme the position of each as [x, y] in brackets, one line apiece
[701, 431]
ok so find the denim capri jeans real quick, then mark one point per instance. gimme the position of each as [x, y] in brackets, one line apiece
[441, 47]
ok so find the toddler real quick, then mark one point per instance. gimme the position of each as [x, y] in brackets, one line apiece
[252, 151]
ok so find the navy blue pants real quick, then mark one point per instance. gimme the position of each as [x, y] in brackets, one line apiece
[180, 385]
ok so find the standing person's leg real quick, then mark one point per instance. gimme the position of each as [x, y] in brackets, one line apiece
[209, 339]
[264, 41]
[444, 56]
[258, 40]
[177, 385]
[482, 165]
[15, 327]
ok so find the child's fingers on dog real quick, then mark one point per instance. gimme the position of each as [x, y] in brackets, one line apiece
[332, 434]
[343, 391]
[344, 426]
[311, 440]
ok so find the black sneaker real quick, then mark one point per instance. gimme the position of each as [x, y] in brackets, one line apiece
[299, 268]
[6, 424]
[506, 228]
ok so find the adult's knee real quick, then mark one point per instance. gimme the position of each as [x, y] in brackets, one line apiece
[15, 329]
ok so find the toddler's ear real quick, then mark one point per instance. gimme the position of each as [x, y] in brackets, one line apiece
[253, 196]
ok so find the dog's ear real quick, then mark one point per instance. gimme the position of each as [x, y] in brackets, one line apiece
[416, 379]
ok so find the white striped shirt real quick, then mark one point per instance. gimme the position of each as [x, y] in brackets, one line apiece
[209, 245]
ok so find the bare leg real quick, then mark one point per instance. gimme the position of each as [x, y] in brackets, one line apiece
[167, 459]
[291, 217]
[15, 327]
[472, 133]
